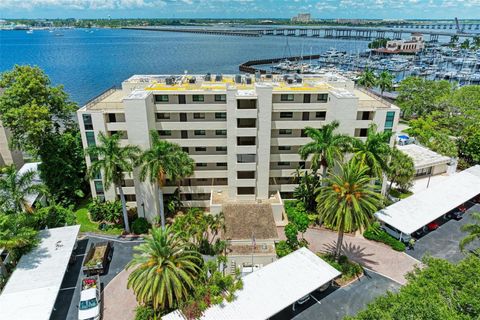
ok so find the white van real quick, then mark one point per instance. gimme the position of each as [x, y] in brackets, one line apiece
[396, 233]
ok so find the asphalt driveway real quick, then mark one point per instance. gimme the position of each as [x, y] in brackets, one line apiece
[443, 242]
[336, 303]
[69, 295]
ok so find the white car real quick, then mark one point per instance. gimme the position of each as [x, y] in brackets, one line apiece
[90, 303]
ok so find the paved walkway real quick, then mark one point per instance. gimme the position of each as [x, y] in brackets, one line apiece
[373, 255]
[119, 303]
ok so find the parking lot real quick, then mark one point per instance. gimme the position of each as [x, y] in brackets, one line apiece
[336, 303]
[69, 295]
[443, 242]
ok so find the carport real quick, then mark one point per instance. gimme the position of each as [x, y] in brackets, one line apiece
[416, 211]
[272, 288]
[32, 289]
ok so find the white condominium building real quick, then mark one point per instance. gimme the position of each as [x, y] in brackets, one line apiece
[243, 132]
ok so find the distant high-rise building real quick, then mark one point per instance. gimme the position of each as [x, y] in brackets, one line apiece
[302, 17]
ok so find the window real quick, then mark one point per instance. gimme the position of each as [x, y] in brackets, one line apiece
[286, 97]
[98, 186]
[245, 174]
[322, 97]
[162, 116]
[221, 149]
[389, 119]
[246, 104]
[90, 135]
[200, 164]
[200, 149]
[321, 115]
[87, 121]
[165, 132]
[198, 98]
[286, 114]
[285, 131]
[221, 164]
[245, 190]
[284, 148]
[361, 132]
[184, 134]
[221, 132]
[111, 117]
[246, 123]
[199, 132]
[246, 141]
[246, 158]
[197, 115]
[283, 163]
[185, 149]
[220, 115]
[220, 97]
[161, 98]
[130, 198]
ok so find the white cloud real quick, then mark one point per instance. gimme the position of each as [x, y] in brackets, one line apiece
[81, 4]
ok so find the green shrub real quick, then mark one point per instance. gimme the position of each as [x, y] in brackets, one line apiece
[140, 226]
[144, 313]
[53, 216]
[375, 233]
[108, 211]
[349, 269]
[282, 248]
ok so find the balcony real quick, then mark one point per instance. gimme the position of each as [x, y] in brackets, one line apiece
[246, 113]
[282, 124]
[204, 142]
[192, 125]
[290, 141]
[245, 182]
[246, 149]
[246, 132]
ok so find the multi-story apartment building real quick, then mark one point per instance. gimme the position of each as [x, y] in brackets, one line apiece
[243, 132]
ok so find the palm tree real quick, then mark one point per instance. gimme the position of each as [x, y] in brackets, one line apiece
[367, 79]
[348, 200]
[164, 269]
[465, 44]
[305, 191]
[113, 161]
[164, 160]
[454, 39]
[326, 146]
[374, 152]
[401, 169]
[473, 229]
[15, 189]
[385, 81]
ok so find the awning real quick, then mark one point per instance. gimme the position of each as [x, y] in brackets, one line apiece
[32, 289]
[416, 211]
[272, 288]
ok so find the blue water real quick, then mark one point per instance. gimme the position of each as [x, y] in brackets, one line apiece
[89, 63]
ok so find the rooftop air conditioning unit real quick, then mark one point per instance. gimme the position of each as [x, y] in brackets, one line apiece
[208, 77]
[218, 77]
[238, 78]
[192, 80]
[268, 76]
[248, 80]
[169, 81]
[289, 80]
[285, 77]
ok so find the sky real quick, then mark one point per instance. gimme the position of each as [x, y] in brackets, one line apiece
[373, 9]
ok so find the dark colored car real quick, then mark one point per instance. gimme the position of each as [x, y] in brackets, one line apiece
[455, 214]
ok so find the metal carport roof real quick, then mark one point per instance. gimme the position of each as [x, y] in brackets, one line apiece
[32, 289]
[272, 288]
[423, 207]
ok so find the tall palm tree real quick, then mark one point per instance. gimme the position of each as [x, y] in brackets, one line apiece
[385, 81]
[308, 182]
[465, 44]
[164, 269]
[473, 229]
[15, 189]
[476, 41]
[348, 200]
[326, 146]
[374, 152]
[367, 79]
[164, 160]
[113, 161]
[401, 169]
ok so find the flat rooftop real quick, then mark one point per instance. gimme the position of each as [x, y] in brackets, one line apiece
[423, 157]
[272, 288]
[32, 289]
[242, 220]
[410, 214]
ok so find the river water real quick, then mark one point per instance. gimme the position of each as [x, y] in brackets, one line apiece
[88, 62]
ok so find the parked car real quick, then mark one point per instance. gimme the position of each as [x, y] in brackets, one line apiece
[97, 258]
[455, 214]
[432, 226]
[396, 233]
[90, 305]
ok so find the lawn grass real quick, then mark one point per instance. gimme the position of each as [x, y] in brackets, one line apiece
[400, 195]
[86, 225]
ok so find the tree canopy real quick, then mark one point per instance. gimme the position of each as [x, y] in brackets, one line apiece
[441, 290]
